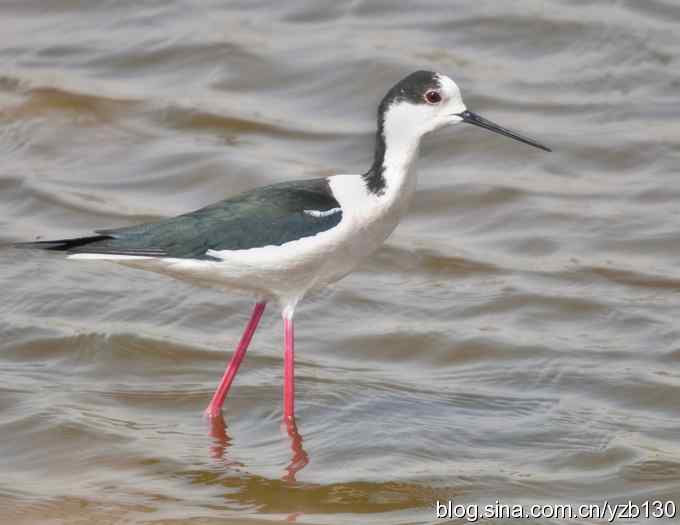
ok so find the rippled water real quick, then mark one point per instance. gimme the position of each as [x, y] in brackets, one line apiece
[516, 339]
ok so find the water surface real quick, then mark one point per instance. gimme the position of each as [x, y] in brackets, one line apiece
[516, 339]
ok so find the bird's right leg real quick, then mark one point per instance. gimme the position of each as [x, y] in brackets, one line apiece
[215, 407]
[288, 365]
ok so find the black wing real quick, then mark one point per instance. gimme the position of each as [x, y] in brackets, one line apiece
[271, 215]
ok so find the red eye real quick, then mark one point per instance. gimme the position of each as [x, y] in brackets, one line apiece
[432, 97]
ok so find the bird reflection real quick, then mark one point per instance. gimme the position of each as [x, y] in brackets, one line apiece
[221, 441]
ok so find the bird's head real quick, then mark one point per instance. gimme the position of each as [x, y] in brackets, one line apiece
[425, 101]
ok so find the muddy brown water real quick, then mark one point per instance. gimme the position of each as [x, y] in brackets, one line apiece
[517, 339]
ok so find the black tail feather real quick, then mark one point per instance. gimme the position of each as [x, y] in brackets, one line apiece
[63, 244]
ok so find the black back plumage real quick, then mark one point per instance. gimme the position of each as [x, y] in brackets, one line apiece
[271, 215]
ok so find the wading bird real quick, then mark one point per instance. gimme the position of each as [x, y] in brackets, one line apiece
[278, 242]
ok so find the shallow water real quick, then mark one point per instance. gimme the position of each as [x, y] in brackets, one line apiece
[515, 340]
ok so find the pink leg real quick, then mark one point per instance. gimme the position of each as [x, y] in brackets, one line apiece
[289, 369]
[215, 407]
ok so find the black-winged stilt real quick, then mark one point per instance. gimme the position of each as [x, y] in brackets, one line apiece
[279, 242]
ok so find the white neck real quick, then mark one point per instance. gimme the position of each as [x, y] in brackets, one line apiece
[401, 134]
[374, 203]
[401, 151]
[387, 188]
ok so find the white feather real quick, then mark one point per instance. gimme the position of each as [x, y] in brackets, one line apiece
[319, 213]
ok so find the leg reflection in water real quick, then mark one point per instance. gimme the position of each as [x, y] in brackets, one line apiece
[222, 442]
[299, 458]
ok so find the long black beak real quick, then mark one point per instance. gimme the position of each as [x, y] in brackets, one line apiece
[473, 118]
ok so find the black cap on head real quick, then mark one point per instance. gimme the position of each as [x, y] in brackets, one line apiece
[411, 88]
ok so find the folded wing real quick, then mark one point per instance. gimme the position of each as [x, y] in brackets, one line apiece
[272, 215]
